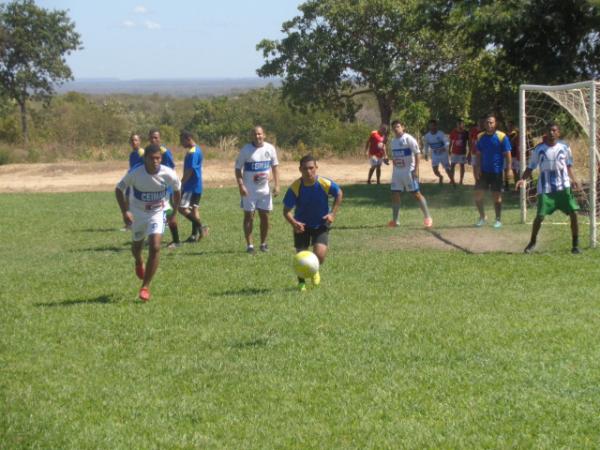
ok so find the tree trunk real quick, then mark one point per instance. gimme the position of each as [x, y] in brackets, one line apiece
[385, 109]
[24, 128]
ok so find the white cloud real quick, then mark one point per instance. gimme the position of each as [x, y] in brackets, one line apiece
[152, 25]
[128, 23]
[140, 9]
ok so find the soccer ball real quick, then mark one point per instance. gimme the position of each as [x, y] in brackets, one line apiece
[306, 264]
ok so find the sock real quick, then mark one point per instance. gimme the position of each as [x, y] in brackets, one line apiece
[395, 212]
[498, 209]
[575, 241]
[174, 233]
[301, 280]
[194, 229]
[423, 206]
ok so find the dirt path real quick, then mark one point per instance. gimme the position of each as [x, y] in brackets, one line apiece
[103, 176]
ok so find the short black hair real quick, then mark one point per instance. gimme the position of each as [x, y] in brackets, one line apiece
[153, 130]
[551, 124]
[432, 121]
[151, 149]
[186, 135]
[395, 122]
[307, 158]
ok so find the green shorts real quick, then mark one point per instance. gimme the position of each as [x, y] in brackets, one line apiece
[562, 200]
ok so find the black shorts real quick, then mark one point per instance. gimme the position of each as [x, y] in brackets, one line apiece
[311, 236]
[190, 200]
[489, 181]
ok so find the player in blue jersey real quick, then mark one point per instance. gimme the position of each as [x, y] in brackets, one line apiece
[256, 161]
[149, 183]
[191, 186]
[309, 198]
[555, 162]
[493, 154]
[136, 156]
[167, 160]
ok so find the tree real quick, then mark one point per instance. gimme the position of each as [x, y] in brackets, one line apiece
[32, 53]
[338, 49]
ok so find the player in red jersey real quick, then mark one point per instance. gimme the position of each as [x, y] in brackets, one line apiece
[375, 150]
[459, 138]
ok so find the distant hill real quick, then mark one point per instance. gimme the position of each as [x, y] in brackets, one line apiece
[200, 87]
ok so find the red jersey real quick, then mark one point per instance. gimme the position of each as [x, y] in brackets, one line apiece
[514, 143]
[473, 133]
[375, 149]
[458, 141]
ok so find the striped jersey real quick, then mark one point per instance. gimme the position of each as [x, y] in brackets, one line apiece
[435, 142]
[404, 149]
[255, 164]
[553, 162]
[149, 191]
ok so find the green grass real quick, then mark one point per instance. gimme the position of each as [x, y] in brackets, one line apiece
[409, 342]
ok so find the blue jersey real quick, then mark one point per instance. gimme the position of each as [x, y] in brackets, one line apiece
[193, 162]
[492, 148]
[311, 202]
[136, 157]
[167, 157]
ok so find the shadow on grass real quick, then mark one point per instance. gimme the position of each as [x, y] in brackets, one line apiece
[205, 252]
[357, 227]
[450, 243]
[99, 230]
[244, 292]
[105, 248]
[102, 299]
[258, 342]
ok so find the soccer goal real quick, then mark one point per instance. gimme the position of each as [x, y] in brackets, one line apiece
[575, 108]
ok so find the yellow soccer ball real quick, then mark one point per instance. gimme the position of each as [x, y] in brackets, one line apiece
[306, 264]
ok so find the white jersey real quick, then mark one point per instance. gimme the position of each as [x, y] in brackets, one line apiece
[404, 149]
[436, 143]
[553, 162]
[149, 191]
[255, 164]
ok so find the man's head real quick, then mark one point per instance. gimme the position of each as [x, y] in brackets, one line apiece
[135, 141]
[258, 136]
[460, 124]
[432, 126]
[383, 129]
[490, 124]
[398, 128]
[186, 139]
[308, 169]
[152, 158]
[154, 136]
[552, 133]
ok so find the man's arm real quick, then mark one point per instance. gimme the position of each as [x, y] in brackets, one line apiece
[330, 218]
[127, 216]
[526, 175]
[187, 173]
[297, 226]
[417, 159]
[176, 201]
[240, 182]
[275, 170]
[574, 182]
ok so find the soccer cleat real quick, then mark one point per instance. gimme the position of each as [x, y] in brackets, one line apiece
[264, 248]
[529, 249]
[497, 224]
[139, 271]
[480, 223]
[575, 251]
[204, 231]
[250, 250]
[174, 245]
[316, 279]
[302, 286]
[192, 239]
[428, 222]
[393, 224]
[144, 294]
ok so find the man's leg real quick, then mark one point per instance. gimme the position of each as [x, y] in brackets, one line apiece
[248, 225]
[136, 251]
[462, 173]
[424, 209]
[321, 251]
[449, 172]
[437, 173]
[574, 232]
[151, 264]
[193, 216]
[378, 174]
[497, 208]
[395, 209]
[479, 203]
[452, 172]
[371, 170]
[264, 228]
[535, 229]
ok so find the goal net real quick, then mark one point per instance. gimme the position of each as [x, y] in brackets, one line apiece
[575, 108]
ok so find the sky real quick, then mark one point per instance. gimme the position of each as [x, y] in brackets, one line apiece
[172, 39]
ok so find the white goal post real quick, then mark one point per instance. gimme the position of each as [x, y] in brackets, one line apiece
[577, 104]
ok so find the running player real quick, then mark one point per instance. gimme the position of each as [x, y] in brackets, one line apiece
[436, 143]
[555, 161]
[167, 160]
[149, 183]
[493, 153]
[252, 168]
[459, 138]
[192, 186]
[309, 196]
[405, 175]
[375, 149]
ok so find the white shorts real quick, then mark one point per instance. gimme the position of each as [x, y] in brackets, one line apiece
[458, 159]
[375, 161]
[440, 158]
[145, 224]
[403, 181]
[254, 201]
[473, 160]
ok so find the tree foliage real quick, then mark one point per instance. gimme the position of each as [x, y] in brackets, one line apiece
[34, 42]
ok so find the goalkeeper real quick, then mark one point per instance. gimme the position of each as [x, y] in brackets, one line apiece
[555, 161]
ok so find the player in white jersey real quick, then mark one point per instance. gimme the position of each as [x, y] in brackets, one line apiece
[146, 216]
[405, 175]
[436, 144]
[256, 161]
[555, 162]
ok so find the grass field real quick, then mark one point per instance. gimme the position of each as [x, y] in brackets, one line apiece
[447, 340]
